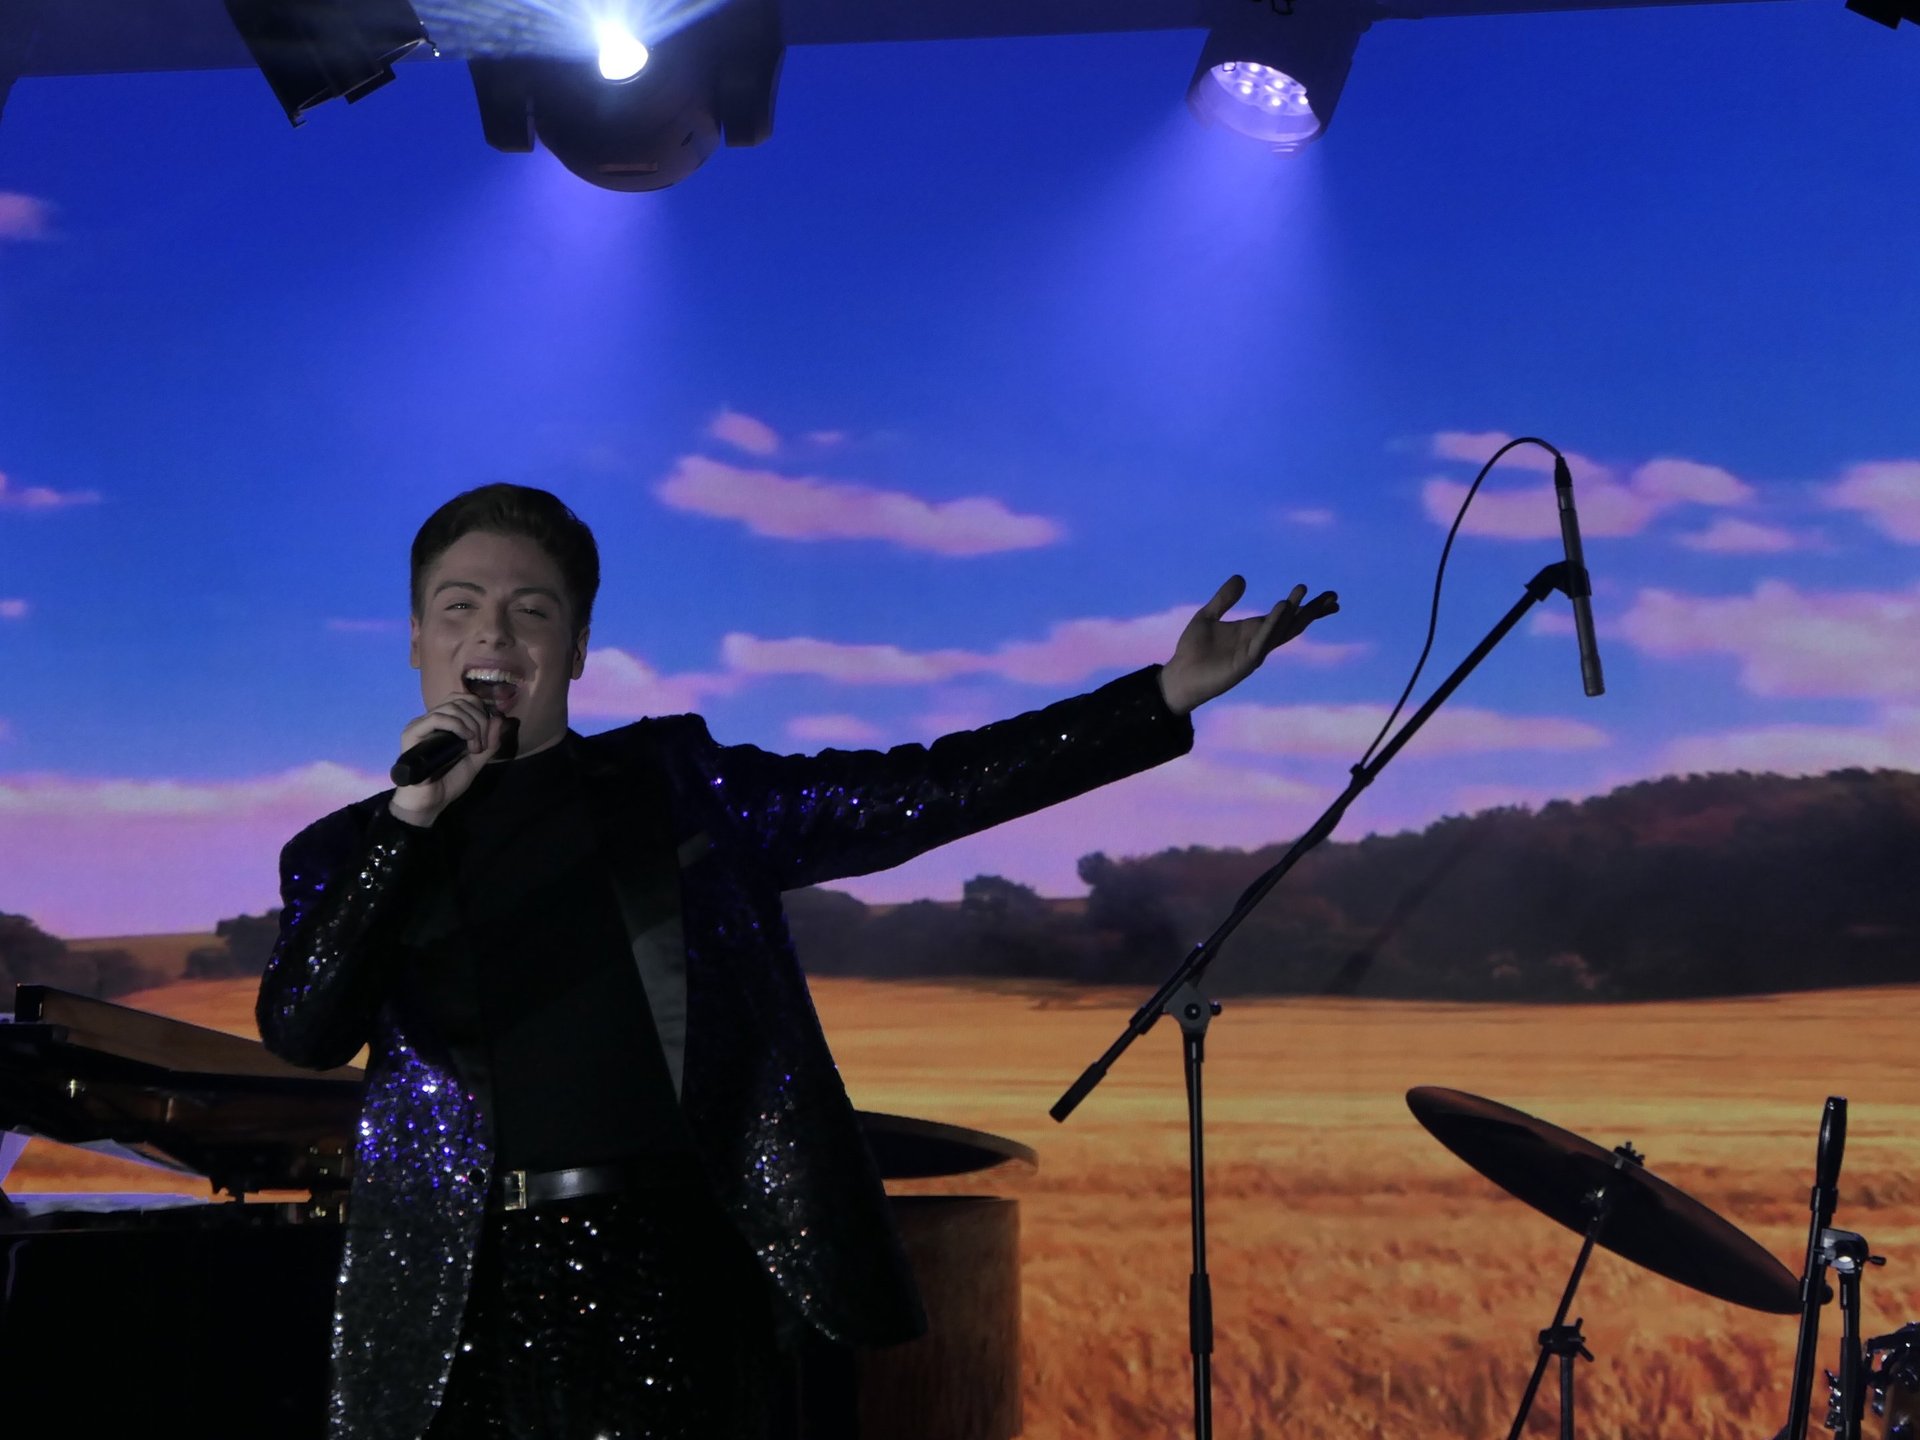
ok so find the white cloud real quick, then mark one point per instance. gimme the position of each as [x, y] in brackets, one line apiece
[1311, 517]
[1473, 447]
[24, 217]
[1887, 492]
[1346, 730]
[743, 432]
[309, 791]
[836, 660]
[14, 609]
[1857, 644]
[92, 856]
[1730, 535]
[1072, 650]
[1688, 482]
[365, 627]
[1607, 506]
[1892, 742]
[41, 497]
[1606, 510]
[810, 509]
[620, 685]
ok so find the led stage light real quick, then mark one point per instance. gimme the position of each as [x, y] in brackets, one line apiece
[1260, 102]
[1275, 76]
[710, 81]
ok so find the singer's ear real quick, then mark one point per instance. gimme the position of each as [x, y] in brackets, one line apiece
[580, 652]
[413, 642]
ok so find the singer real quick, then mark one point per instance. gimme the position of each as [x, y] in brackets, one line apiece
[606, 1171]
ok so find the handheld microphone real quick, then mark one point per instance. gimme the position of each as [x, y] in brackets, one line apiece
[1579, 588]
[441, 751]
[428, 760]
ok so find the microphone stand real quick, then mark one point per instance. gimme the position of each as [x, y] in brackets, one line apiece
[1196, 1009]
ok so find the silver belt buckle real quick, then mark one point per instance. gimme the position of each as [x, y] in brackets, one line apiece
[514, 1184]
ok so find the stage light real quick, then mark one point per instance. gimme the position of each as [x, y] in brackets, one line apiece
[1260, 102]
[710, 81]
[622, 56]
[311, 51]
[1275, 77]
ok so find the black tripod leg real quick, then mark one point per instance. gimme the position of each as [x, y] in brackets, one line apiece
[1533, 1389]
[1557, 1337]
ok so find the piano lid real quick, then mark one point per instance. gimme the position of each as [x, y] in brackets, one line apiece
[88, 1072]
[142, 1037]
[116, 1079]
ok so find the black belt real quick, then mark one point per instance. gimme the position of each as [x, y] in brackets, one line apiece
[523, 1189]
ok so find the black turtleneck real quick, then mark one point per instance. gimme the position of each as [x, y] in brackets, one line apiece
[578, 1074]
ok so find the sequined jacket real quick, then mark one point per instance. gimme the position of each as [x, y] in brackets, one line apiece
[366, 931]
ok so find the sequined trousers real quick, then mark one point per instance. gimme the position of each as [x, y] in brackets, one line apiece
[636, 1316]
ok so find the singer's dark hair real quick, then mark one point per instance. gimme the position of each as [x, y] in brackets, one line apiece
[515, 510]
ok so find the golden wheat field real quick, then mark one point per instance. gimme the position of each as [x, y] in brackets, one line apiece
[1366, 1282]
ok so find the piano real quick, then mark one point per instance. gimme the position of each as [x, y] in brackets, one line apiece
[132, 1314]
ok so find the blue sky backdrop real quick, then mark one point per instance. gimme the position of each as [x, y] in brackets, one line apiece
[953, 398]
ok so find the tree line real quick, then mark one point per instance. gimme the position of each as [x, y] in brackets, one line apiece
[1726, 884]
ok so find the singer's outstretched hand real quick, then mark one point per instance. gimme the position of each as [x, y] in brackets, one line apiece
[462, 715]
[1215, 654]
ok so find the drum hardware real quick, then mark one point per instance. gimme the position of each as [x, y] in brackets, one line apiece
[1849, 1387]
[1855, 1384]
[1612, 1200]
[1822, 1251]
[1560, 1339]
[1846, 1254]
[1893, 1389]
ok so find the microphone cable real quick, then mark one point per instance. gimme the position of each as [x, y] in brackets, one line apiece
[1439, 579]
[1257, 888]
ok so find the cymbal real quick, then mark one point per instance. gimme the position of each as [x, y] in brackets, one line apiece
[1652, 1223]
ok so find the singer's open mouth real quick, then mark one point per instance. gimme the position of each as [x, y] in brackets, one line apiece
[496, 687]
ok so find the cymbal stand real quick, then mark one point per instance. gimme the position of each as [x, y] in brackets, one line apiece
[1560, 1339]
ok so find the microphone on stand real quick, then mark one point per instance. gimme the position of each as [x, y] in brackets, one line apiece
[441, 751]
[1579, 588]
[1814, 1292]
[1833, 1146]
